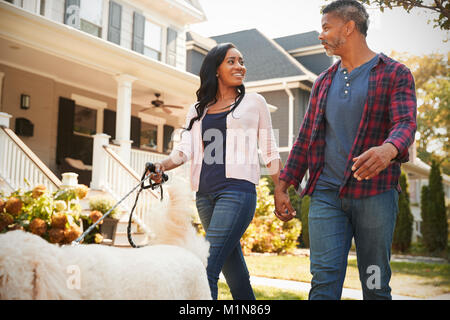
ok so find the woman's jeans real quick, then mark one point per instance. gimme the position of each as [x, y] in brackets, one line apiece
[225, 216]
[333, 222]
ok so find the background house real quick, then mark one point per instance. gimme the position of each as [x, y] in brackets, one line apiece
[88, 67]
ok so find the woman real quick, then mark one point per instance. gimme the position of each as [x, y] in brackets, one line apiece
[221, 136]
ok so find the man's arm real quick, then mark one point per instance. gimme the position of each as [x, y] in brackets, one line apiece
[402, 114]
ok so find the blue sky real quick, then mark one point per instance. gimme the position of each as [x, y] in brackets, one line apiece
[392, 30]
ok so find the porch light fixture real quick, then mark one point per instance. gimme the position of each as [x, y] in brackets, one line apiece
[24, 101]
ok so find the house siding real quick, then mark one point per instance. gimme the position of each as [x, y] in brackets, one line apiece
[54, 10]
[279, 117]
[43, 111]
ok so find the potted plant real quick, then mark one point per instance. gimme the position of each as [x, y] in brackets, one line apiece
[99, 205]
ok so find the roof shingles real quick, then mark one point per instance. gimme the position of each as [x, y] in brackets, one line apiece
[270, 62]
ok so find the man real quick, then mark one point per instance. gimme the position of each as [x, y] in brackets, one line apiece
[359, 124]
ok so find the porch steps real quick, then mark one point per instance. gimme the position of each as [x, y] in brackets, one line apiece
[120, 239]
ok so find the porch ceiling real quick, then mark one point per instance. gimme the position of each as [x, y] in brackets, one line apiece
[36, 44]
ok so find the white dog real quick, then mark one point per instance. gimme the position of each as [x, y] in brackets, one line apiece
[173, 267]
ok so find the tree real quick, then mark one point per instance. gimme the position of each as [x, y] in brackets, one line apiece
[440, 7]
[404, 223]
[434, 224]
[424, 213]
[432, 78]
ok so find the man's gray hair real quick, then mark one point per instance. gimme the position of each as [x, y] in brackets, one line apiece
[350, 10]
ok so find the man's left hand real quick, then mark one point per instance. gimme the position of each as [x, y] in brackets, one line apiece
[373, 161]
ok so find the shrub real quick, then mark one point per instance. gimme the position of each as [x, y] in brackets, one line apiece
[434, 219]
[267, 233]
[403, 226]
[48, 215]
[103, 204]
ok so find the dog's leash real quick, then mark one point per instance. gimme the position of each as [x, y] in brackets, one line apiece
[148, 167]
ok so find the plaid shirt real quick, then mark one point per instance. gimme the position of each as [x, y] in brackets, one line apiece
[389, 116]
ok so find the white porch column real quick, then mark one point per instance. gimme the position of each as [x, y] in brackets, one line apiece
[123, 115]
[4, 119]
[99, 160]
[2, 75]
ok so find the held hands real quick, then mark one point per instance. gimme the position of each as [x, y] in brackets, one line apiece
[373, 161]
[283, 208]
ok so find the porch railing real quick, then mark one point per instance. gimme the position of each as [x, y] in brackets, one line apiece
[18, 164]
[139, 158]
[111, 174]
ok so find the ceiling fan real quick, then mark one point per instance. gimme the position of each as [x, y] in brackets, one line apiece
[160, 104]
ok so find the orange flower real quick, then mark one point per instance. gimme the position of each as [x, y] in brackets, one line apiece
[38, 191]
[72, 233]
[38, 226]
[13, 206]
[95, 215]
[59, 221]
[56, 235]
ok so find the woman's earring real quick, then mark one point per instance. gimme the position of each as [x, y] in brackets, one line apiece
[217, 75]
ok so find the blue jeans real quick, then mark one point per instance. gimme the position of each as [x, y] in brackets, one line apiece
[225, 216]
[333, 222]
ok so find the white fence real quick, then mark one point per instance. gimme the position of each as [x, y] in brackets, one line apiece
[19, 164]
[139, 158]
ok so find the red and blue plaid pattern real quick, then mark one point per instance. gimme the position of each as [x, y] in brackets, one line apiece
[389, 116]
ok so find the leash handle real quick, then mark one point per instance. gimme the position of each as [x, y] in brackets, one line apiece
[151, 168]
[148, 167]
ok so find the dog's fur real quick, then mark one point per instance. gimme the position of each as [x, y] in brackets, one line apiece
[173, 267]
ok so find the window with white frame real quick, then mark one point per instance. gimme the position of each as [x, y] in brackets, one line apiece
[152, 40]
[149, 136]
[91, 16]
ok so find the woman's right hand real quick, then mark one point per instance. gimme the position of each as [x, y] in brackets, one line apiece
[157, 175]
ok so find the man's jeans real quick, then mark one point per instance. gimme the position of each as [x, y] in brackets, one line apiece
[333, 222]
[225, 216]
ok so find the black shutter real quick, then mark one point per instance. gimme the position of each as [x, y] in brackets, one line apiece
[171, 57]
[109, 123]
[66, 116]
[72, 13]
[167, 138]
[135, 131]
[115, 22]
[138, 32]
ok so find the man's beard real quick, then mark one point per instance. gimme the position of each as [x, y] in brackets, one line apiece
[332, 46]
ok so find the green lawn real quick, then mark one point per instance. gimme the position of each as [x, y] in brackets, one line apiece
[421, 280]
[264, 293]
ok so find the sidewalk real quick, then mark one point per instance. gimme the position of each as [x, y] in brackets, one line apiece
[306, 286]
[346, 293]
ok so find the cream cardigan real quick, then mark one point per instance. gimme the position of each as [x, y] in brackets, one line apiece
[249, 126]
